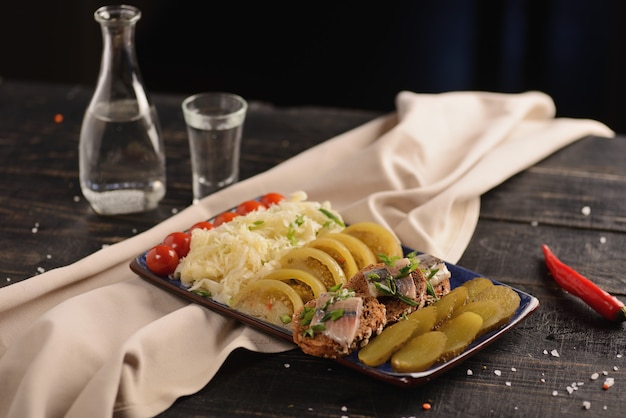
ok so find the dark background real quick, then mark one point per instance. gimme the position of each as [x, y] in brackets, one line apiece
[355, 54]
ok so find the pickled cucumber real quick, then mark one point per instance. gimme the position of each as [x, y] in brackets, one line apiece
[380, 349]
[419, 353]
[461, 296]
[490, 310]
[507, 297]
[426, 318]
[448, 303]
[461, 331]
[476, 285]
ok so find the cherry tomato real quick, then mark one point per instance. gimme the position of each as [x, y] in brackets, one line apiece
[179, 241]
[223, 218]
[249, 206]
[162, 260]
[202, 225]
[272, 199]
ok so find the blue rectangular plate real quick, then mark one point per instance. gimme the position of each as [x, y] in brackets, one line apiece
[384, 372]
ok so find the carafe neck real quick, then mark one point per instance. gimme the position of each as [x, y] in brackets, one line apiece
[119, 76]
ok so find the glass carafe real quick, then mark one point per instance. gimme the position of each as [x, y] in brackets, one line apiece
[121, 153]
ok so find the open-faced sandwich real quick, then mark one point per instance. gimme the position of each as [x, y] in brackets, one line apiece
[403, 285]
[338, 322]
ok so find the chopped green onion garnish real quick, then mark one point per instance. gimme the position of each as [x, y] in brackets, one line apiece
[256, 225]
[333, 315]
[333, 217]
[390, 261]
[202, 292]
[431, 290]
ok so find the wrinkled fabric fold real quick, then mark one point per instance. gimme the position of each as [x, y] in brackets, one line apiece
[93, 339]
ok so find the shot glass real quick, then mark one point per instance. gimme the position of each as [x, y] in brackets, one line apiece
[214, 127]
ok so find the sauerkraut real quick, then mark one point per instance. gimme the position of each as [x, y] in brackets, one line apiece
[223, 260]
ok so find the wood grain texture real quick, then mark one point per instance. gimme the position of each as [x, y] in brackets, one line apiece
[45, 223]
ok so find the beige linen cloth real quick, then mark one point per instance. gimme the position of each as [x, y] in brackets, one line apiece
[94, 340]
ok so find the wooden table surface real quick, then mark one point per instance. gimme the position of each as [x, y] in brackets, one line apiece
[575, 201]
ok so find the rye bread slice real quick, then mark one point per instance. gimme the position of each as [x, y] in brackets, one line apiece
[371, 322]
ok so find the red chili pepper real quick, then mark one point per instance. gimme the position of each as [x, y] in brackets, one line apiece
[578, 285]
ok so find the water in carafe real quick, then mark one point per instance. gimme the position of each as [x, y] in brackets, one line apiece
[121, 155]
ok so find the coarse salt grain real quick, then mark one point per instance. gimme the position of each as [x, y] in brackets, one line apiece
[76, 198]
[513, 369]
[586, 404]
[608, 382]
[554, 353]
[508, 383]
[586, 210]
[595, 376]
[286, 365]
[470, 372]
[497, 372]
[555, 393]
[602, 240]
[615, 368]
